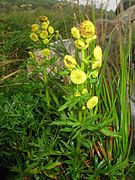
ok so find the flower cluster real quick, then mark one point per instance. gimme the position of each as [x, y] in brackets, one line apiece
[84, 35]
[80, 75]
[43, 34]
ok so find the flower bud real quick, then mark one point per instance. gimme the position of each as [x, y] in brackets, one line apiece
[31, 55]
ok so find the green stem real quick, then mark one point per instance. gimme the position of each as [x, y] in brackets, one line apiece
[45, 83]
[82, 59]
[78, 139]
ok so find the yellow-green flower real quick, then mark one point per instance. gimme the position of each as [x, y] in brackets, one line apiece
[92, 102]
[88, 41]
[97, 58]
[46, 52]
[95, 74]
[96, 64]
[31, 55]
[44, 34]
[35, 27]
[84, 91]
[45, 25]
[97, 53]
[77, 94]
[75, 33]
[87, 29]
[78, 76]
[34, 37]
[69, 62]
[83, 107]
[45, 41]
[50, 30]
[43, 18]
[80, 44]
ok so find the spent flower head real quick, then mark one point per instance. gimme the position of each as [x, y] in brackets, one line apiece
[43, 18]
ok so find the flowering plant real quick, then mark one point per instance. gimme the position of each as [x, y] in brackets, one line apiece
[79, 116]
[42, 35]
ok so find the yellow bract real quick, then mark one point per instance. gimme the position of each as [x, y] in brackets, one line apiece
[95, 74]
[69, 62]
[88, 41]
[75, 33]
[34, 37]
[92, 102]
[50, 30]
[83, 107]
[84, 91]
[87, 29]
[77, 94]
[35, 28]
[96, 64]
[78, 76]
[80, 44]
[46, 52]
